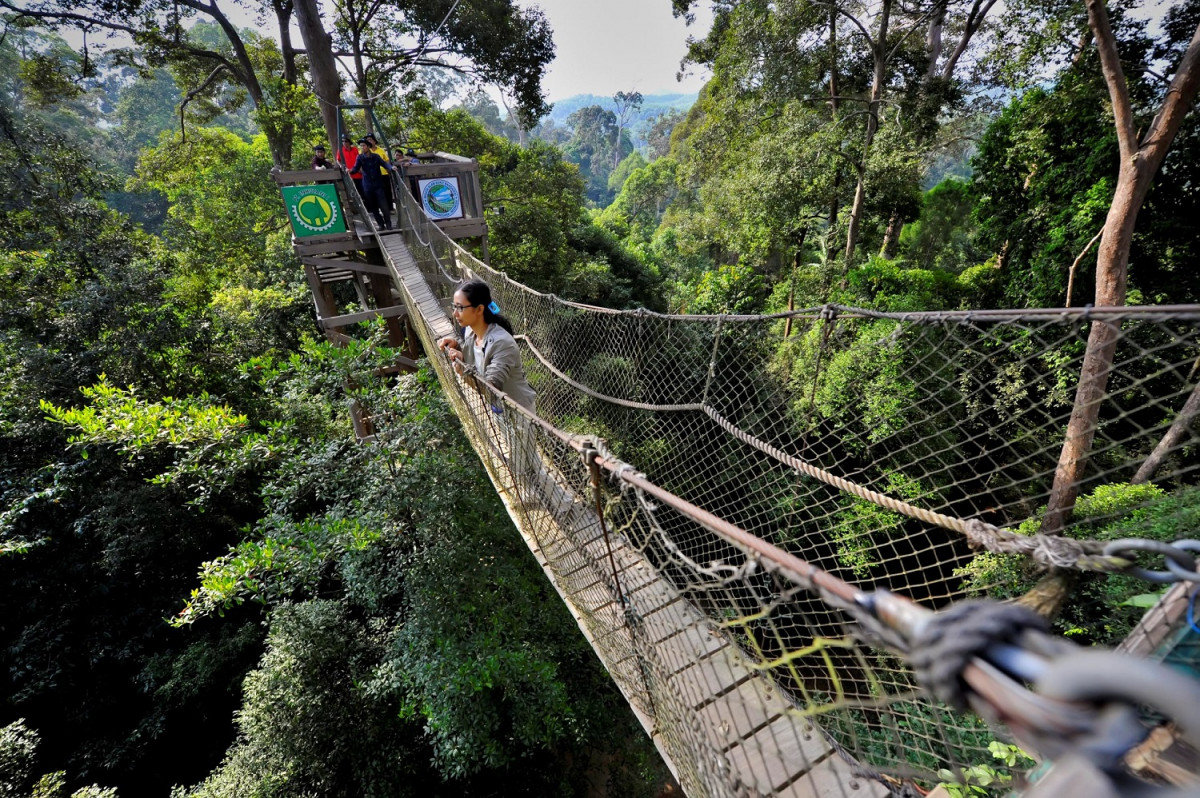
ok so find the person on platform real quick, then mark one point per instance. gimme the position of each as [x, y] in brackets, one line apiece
[348, 157]
[488, 344]
[375, 179]
[319, 160]
[382, 153]
[411, 155]
[488, 353]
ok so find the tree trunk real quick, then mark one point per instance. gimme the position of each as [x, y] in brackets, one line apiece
[860, 190]
[933, 39]
[286, 131]
[834, 106]
[321, 64]
[283, 16]
[1191, 408]
[515, 119]
[891, 238]
[1139, 163]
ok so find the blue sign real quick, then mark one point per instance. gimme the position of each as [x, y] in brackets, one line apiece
[441, 198]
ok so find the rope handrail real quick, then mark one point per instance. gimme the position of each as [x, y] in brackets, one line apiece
[1050, 550]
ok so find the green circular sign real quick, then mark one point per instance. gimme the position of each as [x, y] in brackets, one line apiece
[315, 211]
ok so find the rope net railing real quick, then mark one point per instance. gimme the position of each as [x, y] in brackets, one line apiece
[898, 454]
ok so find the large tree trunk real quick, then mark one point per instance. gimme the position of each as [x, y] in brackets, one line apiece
[860, 190]
[1139, 163]
[321, 65]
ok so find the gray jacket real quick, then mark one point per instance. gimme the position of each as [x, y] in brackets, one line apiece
[501, 366]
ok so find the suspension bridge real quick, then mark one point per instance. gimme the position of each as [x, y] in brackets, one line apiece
[753, 519]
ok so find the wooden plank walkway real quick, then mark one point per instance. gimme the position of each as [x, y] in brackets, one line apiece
[759, 741]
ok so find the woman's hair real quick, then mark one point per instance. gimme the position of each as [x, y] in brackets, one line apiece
[479, 294]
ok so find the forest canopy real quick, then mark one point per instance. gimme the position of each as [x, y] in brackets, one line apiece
[210, 589]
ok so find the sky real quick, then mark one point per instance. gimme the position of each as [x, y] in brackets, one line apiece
[606, 46]
[601, 46]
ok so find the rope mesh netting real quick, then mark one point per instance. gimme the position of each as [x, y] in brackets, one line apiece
[874, 447]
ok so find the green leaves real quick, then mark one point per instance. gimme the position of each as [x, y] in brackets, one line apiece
[117, 416]
[284, 559]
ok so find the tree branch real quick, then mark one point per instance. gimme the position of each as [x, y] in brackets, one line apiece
[1180, 95]
[1114, 77]
[917, 25]
[191, 95]
[68, 16]
[1075, 264]
[972, 27]
[861, 29]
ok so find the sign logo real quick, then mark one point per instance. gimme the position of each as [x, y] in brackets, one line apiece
[314, 210]
[441, 198]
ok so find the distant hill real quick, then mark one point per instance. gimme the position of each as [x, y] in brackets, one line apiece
[652, 105]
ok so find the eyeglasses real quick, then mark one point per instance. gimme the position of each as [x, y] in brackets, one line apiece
[460, 308]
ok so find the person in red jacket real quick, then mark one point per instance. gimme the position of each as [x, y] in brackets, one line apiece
[347, 156]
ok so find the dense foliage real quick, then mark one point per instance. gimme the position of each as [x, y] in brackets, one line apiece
[365, 620]
[209, 587]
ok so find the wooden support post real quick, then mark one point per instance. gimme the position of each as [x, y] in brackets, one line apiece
[381, 289]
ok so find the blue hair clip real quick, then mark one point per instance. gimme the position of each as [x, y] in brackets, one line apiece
[494, 308]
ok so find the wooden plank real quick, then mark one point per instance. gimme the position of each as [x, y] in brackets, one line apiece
[774, 756]
[705, 680]
[354, 318]
[740, 713]
[323, 248]
[834, 777]
[669, 618]
[451, 157]
[1161, 619]
[691, 643]
[352, 265]
[463, 228]
[349, 237]
[307, 176]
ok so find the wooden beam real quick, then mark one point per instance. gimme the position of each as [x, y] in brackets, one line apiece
[326, 248]
[327, 239]
[343, 265]
[463, 228]
[454, 158]
[354, 318]
[426, 170]
[307, 176]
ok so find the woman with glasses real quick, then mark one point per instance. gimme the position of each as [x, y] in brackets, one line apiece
[489, 348]
[487, 344]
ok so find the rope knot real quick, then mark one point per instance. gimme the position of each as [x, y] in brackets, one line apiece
[1053, 551]
[942, 649]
